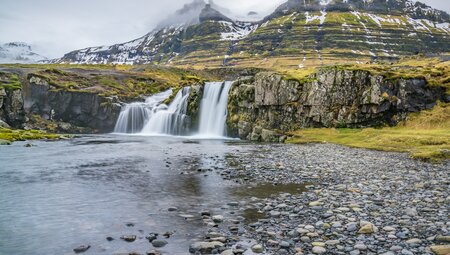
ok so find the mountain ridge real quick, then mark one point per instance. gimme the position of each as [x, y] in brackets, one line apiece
[305, 30]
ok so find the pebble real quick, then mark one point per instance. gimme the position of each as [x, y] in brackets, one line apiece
[159, 243]
[128, 238]
[318, 250]
[257, 248]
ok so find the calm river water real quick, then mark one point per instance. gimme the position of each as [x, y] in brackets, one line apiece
[58, 195]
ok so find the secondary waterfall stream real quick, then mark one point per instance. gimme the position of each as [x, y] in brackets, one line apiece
[171, 120]
[135, 115]
[213, 109]
[152, 117]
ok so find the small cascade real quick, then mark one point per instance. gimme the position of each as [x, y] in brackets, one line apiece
[213, 109]
[134, 116]
[170, 120]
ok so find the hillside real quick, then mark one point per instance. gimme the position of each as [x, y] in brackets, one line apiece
[297, 34]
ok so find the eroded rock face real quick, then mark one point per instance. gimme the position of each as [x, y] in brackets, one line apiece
[330, 98]
[83, 109]
[11, 108]
[194, 101]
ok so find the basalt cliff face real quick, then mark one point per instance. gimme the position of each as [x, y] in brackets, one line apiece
[36, 104]
[263, 107]
[90, 111]
[12, 113]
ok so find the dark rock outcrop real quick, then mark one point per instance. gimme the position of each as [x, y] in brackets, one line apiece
[82, 109]
[262, 108]
[11, 108]
[209, 13]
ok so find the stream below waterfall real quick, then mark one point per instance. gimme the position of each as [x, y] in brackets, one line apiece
[58, 195]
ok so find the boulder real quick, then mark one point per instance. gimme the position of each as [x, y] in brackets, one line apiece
[205, 247]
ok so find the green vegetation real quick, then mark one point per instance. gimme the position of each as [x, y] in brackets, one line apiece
[127, 82]
[435, 71]
[9, 81]
[425, 136]
[11, 135]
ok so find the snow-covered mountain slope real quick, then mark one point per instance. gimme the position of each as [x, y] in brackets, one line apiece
[18, 52]
[297, 34]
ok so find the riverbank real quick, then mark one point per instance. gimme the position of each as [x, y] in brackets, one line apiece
[354, 201]
[425, 136]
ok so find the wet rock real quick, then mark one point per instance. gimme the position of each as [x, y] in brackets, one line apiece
[227, 252]
[233, 204]
[257, 248]
[217, 218]
[128, 238]
[285, 245]
[366, 229]
[109, 239]
[444, 239]
[411, 211]
[361, 247]
[151, 237]
[4, 142]
[205, 247]
[4, 124]
[318, 250]
[81, 248]
[414, 241]
[440, 249]
[159, 243]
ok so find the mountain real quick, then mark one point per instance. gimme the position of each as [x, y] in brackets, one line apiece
[18, 52]
[299, 33]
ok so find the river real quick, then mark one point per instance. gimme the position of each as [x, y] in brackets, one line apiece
[58, 195]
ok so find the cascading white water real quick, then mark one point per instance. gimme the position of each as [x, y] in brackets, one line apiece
[170, 120]
[155, 118]
[213, 109]
[134, 116]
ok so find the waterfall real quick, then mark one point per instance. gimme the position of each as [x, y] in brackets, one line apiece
[170, 120]
[155, 118]
[213, 109]
[134, 116]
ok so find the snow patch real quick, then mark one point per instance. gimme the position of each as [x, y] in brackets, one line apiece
[236, 31]
[321, 18]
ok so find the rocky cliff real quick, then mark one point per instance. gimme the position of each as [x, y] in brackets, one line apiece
[11, 108]
[35, 104]
[82, 99]
[261, 108]
[80, 109]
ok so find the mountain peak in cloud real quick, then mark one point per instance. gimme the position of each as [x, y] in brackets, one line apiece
[190, 13]
[19, 52]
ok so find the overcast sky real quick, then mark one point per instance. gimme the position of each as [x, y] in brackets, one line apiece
[55, 27]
